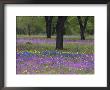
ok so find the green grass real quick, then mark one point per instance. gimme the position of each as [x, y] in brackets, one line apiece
[71, 48]
[72, 37]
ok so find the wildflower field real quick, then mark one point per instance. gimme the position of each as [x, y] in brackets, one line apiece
[37, 55]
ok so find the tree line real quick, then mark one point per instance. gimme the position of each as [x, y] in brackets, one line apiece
[55, 25]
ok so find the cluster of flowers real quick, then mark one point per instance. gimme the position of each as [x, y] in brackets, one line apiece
[54, 62]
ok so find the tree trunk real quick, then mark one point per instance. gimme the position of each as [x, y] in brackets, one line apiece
[82, 34]
[82, 26]
[48, 20]
[59, 31]
[53, 30]
[29, 31]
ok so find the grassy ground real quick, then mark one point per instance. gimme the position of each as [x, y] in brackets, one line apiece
[72, 37]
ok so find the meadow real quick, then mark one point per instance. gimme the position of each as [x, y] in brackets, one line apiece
[36, 54]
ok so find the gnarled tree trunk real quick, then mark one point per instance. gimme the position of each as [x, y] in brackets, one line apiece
[59, 31]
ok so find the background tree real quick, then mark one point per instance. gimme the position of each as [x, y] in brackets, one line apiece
[59, 31]
[82, 26]
[48, 20]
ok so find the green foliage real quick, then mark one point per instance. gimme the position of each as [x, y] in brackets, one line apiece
[38, 26]
[72, 26]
